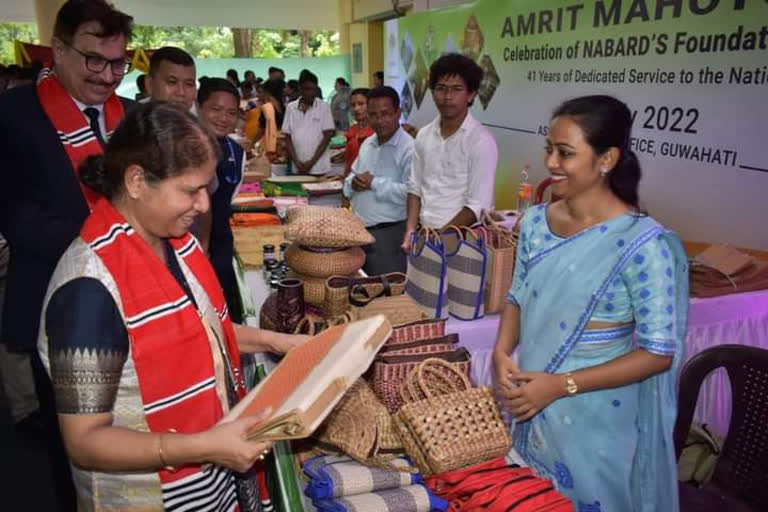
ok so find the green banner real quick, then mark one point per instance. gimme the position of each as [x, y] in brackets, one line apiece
[694, 73]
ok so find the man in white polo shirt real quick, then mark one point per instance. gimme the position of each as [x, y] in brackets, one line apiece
[308, 125]
[455, 156]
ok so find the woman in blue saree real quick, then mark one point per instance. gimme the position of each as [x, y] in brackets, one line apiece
[597, 313]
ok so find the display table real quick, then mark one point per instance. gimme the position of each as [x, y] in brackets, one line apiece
[740, 318]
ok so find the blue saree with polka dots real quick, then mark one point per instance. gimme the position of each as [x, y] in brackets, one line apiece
[609, 450]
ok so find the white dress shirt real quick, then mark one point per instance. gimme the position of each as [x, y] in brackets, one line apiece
[390, 164]
[451, 173]
[306, 131]
[102, 123]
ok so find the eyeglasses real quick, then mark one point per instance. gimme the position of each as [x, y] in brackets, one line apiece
[97, 63]
[443, 90]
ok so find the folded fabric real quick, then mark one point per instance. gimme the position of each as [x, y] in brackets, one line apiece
[709, 282]
[334, 476]
[414, 498]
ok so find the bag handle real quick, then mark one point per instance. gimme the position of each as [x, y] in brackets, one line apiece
[421, 237]
[359, 288]
[413, 390]
[435, 367]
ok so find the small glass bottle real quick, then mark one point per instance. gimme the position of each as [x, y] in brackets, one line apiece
[524, 191]
[269, 262]
[283, 262]
[269, 258]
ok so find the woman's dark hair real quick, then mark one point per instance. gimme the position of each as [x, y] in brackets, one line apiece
[275, 88]
[607, 123]
[340, 80]
[232, 74]
[385, 91]
[363, 91]
[162, 138]
[212, 85]
[455, 64]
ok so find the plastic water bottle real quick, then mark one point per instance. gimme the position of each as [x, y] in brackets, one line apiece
[524, 191]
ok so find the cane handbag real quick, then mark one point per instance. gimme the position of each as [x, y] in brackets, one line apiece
[324, 262]
[501, 247]
[399, 310]
[421, 347]
[416, 331]
[360, 426]
[390, 372]
[341, 292]
[430, 428]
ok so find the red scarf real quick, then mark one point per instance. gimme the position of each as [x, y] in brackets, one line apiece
[169, 344]
[73, 129]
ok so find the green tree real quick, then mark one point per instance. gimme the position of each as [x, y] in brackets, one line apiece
[202, 42]
[11, 32]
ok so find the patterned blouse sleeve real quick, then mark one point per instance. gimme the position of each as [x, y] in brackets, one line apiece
[87, 346]
[650, 278]
[521, 261]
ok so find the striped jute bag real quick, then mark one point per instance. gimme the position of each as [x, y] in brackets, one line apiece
[466, 260]
[427, 280]
[501, 249]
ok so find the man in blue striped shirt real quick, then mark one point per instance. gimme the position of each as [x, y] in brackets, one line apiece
[378, 183]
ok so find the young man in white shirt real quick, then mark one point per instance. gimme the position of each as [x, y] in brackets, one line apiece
[308, 126]
[455, 156]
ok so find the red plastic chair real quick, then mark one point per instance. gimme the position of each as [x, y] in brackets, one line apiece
[542, 189]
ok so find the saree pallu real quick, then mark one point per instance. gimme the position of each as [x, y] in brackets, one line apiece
[612, 449]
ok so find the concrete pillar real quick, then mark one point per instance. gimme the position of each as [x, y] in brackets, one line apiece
[45, 15]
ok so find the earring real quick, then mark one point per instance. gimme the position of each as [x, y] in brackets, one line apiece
[603, 171]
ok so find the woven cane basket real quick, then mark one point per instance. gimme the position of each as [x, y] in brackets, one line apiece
[340, 291]
[314, 289]
[444, 432]
[399, 310]
[324, 263]
[326, 227]
[389, 372]
[360, 426]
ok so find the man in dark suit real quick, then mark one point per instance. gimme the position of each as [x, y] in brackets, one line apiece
[42, 205]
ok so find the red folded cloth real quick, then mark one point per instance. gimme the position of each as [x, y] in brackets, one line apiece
[496, 486]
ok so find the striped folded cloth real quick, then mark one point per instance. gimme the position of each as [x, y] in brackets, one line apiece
[334, 476]
[414, 498]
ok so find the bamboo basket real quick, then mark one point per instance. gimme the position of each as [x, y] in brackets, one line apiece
[324, 263]
[449, 430]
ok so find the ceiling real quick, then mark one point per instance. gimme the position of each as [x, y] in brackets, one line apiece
[281, 14]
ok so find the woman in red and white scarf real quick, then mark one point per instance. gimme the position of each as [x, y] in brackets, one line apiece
[136, 334]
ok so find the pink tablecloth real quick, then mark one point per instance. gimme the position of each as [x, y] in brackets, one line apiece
[740, 318]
